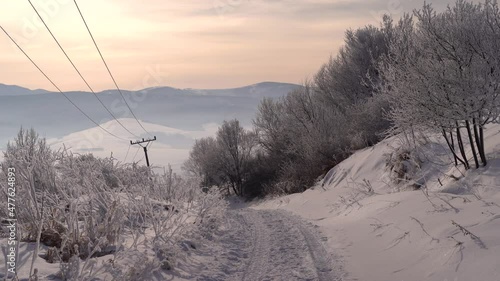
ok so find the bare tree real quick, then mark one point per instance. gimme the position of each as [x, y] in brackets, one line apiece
[236, 147]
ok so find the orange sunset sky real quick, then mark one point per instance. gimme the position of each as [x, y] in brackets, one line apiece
[184, 44]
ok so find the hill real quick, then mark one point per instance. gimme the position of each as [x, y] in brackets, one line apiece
[12, 90]
[384, 231]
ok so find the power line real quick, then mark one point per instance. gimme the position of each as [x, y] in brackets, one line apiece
[74, 66]
[136, 154]
[106, 65]
[126, 155]
[58, 89]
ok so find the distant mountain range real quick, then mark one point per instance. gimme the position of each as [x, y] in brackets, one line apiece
[13, 90]
[52, 115]
[259, 90]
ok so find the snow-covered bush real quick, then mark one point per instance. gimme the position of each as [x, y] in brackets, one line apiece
[403, 164]
[210, 208]
[33, 162]
[83, 207]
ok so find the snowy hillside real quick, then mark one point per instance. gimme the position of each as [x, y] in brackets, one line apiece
[385, 231]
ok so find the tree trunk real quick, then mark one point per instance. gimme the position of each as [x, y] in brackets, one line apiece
[461, 146]
[240, 186]
[471, 140]
[451, 145]
[481, 139]
[480, 144]
[453, 148]
[235, 189]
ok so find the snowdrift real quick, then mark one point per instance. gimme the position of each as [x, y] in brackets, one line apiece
[446, 229]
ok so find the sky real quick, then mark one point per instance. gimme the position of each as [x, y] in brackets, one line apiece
[183, 44]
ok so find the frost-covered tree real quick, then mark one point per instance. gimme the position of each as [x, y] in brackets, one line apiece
[203, 162]
[348, 78]
[314, 127]
[302, 135]
[226, 159]
[442, 74]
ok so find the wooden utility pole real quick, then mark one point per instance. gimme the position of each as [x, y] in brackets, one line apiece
[139, 142]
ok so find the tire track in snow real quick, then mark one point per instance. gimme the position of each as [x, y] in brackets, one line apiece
[322, 259]
[286, 248]
[281, 246]
[258, 262]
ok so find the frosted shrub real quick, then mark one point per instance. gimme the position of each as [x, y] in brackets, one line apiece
[403, 164]
[166, 211]
[210, 209]
[83, 207]
[35, 176]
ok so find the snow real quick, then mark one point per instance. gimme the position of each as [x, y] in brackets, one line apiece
[255, 245]
[356, 224]
[407, 235]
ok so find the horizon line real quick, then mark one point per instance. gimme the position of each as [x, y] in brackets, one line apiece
[162, 86]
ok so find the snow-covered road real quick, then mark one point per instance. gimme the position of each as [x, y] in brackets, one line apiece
[259, 245]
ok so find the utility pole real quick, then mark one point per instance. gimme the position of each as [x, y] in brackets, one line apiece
[139, 142]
